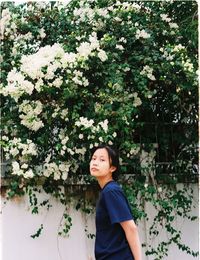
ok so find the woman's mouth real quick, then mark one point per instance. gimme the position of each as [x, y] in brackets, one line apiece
[94, 169]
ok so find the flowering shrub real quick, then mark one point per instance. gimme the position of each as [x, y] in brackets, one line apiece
[77, 75]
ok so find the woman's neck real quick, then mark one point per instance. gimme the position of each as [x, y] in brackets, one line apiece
[103, 181]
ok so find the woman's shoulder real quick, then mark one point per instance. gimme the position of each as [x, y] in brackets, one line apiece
[112, 186]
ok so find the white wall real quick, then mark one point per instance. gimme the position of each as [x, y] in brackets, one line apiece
[17, 224]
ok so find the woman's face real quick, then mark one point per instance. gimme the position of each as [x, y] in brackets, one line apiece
[100, 165]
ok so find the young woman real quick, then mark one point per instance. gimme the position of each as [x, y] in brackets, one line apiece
[116, 233]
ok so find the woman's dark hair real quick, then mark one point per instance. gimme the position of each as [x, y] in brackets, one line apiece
[113, 156]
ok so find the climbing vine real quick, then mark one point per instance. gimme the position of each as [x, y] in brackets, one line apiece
[88, 72]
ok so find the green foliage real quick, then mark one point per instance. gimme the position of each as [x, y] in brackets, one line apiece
[123, 73]
[38, 233]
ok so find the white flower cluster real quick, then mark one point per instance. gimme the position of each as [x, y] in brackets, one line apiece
[17, 85]
[42, 33]
[97, 143]
[83, 121]
[173, 25]
[85, 12]
[102, 55]
[148, 71]
[42, 66]
[169, 55]
[142, 34]
[64, 149]
[133, 152]
[137, 101]
[7, 26]
[16, 147]
[31, 110]
[178, 48]
[23, 42]
[79, 79]
[166, 55]
[62, 113]
[119, 47]
[46, 56]
[104, 125]
[86, 48]
[64, 139]
[165, 18]
[57, 171]
[127, 6]
[187, 64]
[22, 171]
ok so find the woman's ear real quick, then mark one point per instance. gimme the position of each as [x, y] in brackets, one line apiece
[113, 168]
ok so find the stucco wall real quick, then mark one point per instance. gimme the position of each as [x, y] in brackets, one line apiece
[17, 224]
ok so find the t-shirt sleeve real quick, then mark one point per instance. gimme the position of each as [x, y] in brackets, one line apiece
[117, 206]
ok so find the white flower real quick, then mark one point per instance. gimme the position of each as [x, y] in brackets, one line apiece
[120, 47]
[159, 189]
[70, 151]
[64, 175]
[85, 82]
[137, 101]
[14, 151]
[94, 43]
[148, 72]
[57, 82]
[188, 65]
[83, 121]
[17, 85]
[32, 64]
[122, 39]
[142, 34]
[165, 17]
[102, 55]
[68, 58]
[104, 125]
[103, 12]
[80, 136]
[62, 152]
[114, 134]
[31, 110]
[39, 84]
[173, 25]
[84, 49]
[42, 33]
[5, 138]
[29, 174]
[100, 139]
[16, 169]
[178, 47]
[15, 166]
[24, 166]
[65, 140]
[64, 114]
[134, 150]
[117, 19]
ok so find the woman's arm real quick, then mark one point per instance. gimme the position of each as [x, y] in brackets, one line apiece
[132, 237]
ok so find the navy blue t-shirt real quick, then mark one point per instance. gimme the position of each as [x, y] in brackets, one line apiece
[112, 208]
